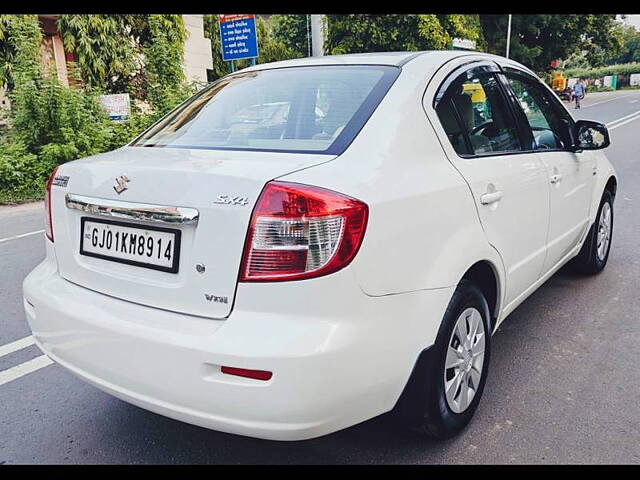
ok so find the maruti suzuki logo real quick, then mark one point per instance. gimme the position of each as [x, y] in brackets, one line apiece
[121, 184]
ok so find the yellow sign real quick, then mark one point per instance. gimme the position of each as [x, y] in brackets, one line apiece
[476, 92]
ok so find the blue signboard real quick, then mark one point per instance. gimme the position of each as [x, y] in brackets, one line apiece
[238, 36]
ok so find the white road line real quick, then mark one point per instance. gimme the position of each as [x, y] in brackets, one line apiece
[17, 345]
[2, 240]
[622, 118]
[605, 101]
[625, 122]
[25, 368]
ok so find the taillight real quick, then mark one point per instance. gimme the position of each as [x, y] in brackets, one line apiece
[47, 205]
[300, 231]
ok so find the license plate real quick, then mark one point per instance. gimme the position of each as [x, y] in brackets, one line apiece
[143, 246]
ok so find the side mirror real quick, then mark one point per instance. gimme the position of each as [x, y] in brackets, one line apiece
[590, 135]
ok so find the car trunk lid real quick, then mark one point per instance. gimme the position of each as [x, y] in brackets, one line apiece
[220, 187]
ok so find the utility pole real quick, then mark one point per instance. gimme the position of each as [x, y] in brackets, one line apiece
[508, 36]
[317, 35]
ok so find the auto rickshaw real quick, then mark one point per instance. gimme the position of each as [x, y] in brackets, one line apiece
[559, 86]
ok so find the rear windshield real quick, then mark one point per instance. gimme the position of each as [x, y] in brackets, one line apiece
[317, 109]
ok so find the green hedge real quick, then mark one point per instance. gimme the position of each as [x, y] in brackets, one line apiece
[621, 69]
[22, 174]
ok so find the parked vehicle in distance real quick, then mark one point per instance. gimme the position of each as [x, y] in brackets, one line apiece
[307, 244]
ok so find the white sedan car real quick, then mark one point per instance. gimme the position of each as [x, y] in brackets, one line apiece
[287, 274]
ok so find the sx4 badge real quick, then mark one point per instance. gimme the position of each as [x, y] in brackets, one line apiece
[231, 200]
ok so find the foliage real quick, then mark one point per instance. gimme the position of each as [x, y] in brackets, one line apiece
[50, 123]
[536, 40]
[23, 33]
[7, 52]
[105, 48]
[272, 49]
[134, 53]
[64, 123]
[593, 88]
[622, 69]
[371, 33]
[630, 51]
[22, 175]
[293, 31]
[163, 62]
[58, 123]
[629, 87]
[121, 133]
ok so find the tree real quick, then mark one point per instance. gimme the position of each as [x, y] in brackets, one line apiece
[293, 31]
[163, 62]
[7, 52]
[630, 51]
[105, 47]
[371, 33]
[536, 40]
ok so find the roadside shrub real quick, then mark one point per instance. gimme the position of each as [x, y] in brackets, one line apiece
[51, 124]
[599, 89]
[60, 123]
[121, 133]
[619, 69]
[22, 174]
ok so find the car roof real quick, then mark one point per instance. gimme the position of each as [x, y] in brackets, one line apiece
[374, 58]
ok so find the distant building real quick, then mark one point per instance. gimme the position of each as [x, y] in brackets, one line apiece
[197, 49]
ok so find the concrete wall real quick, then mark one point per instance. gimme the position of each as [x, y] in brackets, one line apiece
[197, 49]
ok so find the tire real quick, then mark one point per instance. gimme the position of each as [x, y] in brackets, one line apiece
[593, 257]
[423, 406]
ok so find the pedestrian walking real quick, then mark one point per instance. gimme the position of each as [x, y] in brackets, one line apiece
[579, 91]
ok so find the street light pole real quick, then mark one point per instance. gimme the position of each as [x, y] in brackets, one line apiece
[508, 36]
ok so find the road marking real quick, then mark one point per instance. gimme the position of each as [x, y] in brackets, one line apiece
[625, 122]
[25, 368]
[17, 345]
[610, 100]
[2, 240]
[633, 101]
[622, 118]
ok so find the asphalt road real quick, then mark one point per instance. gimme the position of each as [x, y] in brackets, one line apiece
[563, 384]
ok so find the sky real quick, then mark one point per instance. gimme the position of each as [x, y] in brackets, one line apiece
[633, 20]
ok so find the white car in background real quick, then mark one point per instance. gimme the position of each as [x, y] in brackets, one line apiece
[292, 275]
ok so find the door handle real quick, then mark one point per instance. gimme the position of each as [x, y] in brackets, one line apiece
[555, 178]
[489, 198]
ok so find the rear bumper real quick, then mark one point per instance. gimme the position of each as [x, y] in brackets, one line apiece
[329, 371]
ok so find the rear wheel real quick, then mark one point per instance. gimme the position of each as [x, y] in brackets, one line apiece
[595, 252]
[447, 382]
